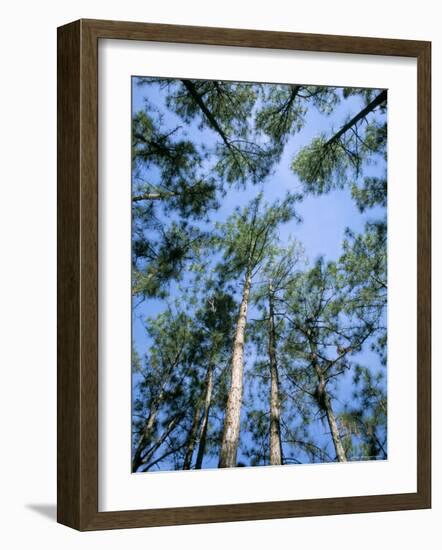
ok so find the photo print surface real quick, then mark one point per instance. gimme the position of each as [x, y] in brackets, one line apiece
[259, 274]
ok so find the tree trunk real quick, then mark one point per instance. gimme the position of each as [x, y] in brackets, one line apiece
[340, 453]
[154, 196]
[325, 403]
[191, 440]
[160, 440]
[147, 432]
[275, 405]
[230, 439]
[148, 428]
[205, 419]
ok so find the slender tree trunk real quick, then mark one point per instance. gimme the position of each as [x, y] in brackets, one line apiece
[146, 434]
[325, 403]
[160, 440]
[340, 452]
[154, 196]
[205, 419]
[275, 405]
[230, 439]
[191, 440]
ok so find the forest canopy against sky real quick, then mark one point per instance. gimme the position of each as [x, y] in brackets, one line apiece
[259, 274]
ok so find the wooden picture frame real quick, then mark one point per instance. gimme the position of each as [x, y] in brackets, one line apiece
[78, 274]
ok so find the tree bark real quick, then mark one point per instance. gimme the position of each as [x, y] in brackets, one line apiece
[340, 452]
[325, 403]
[154, 196]
[205, 419]
[191, 440]
[275, 404]
[230, 439]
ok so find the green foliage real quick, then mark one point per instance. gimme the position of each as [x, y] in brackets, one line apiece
[324, 314]
[283, 108]
[366, 425]
[161, 250]
[172, 375]
[327, 330]
[156, 262]
[230, 104]
[364, 262]
[248, 234]
[367, 94]
[181, 186]
[224, 109]
[328, 162]
[372, 192]
[321, 166]
[243, 160]
[282, 112]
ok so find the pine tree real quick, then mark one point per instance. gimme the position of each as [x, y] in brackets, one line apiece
[207, 373]
[246, 236]
[333, 161]
[164, 389]
[168, 180]
[328, 329]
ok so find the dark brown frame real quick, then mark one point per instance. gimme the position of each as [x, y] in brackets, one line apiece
[78, 268]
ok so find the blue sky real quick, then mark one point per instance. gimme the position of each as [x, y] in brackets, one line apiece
[324, 218]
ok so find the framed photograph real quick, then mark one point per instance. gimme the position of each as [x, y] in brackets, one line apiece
[243, 275]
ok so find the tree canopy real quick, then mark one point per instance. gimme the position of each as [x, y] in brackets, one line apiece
[259, 312]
